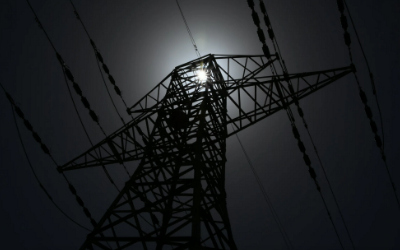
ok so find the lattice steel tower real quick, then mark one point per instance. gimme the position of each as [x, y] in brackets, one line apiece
[176, 197]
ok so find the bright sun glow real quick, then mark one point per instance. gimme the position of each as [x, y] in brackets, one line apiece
[202, 75]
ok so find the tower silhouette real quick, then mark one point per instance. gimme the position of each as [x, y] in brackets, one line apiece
[176, 197]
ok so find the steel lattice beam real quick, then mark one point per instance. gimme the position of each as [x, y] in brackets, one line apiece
[176, 197]
[250, 88]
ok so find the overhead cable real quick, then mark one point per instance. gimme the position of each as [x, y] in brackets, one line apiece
[296, 134]
[371, 76]
[266, 197]
[68, 74]
[45, 149]
[189, 32]
[368, 111]
[100, 60]
[300, 111]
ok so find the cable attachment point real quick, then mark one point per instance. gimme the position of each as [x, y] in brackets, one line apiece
[353, 68]
[38, 23]
[60, 59]
[77, 15]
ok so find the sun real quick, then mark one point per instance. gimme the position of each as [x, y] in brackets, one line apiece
[202, 75]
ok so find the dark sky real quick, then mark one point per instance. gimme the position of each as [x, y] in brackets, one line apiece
[141, 42]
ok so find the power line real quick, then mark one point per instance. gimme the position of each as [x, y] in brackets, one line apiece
[296, 134]
[68, 74]
[266, 197]
[368, 111]
[45, 149]
[371, 76]
[37, 178]
[86, 132]
[300, 110]
[100, 59]
[189, 32]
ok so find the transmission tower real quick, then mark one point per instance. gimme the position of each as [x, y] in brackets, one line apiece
[176, 197]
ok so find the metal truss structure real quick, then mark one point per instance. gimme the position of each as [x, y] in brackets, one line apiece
[176, 197]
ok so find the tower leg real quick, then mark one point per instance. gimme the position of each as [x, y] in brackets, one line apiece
[176, 199]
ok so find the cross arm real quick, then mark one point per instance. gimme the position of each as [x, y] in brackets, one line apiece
[252, 100]
[125, 144]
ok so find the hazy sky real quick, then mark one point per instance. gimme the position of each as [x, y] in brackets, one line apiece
[141, 42]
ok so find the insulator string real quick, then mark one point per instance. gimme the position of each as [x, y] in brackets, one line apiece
[260, 32]
[100, 60]
[313, 176]
[371, 76]
[37, 178]
[329, 183]
[86, 132]
[37, 138]
[68, 74]
[364, 99]
[122, 120]
[300, 110]
[266, 51]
